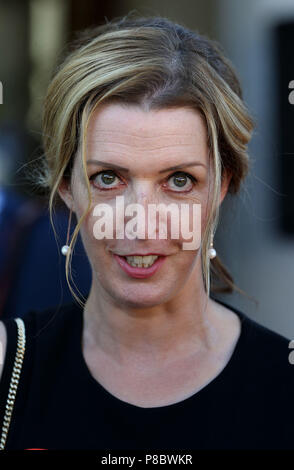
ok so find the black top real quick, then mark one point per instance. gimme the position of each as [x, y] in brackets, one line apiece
[59, 405]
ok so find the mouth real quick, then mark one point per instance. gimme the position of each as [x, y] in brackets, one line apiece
[140, 261]
[140, 266]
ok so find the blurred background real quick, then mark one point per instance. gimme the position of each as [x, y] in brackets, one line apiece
[255, 238]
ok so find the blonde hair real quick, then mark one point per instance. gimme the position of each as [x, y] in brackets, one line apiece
[159, 64]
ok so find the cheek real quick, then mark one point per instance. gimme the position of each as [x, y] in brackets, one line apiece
[95, 246]
[193, 221]
[81, 201]
[87, 228]
[194, 214]
[184, 264]
[205, 210]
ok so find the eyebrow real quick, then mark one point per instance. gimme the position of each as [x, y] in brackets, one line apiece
[121, 168]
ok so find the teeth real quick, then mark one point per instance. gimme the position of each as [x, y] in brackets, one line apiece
[141, 261]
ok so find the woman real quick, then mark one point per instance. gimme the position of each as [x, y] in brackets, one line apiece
[145, 109]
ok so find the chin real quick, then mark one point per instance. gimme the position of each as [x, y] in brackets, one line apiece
[140, 296]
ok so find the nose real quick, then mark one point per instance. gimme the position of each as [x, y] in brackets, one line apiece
[143, 195]
[142, 192]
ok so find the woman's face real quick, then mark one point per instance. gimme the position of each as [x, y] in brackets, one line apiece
[129, 152]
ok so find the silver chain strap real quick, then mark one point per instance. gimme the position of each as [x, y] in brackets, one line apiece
[19, 356]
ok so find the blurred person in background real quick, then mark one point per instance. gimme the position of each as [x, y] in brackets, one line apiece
[27, 243]
[28, 247]
[146, 109]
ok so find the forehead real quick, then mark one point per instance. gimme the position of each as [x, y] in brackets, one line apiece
[133, 126]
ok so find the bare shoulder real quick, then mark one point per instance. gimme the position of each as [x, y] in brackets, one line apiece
[3, 342]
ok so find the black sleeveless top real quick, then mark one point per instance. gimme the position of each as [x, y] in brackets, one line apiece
[59, 405]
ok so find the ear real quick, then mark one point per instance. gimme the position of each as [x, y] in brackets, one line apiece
[64, 191]
[227, 176]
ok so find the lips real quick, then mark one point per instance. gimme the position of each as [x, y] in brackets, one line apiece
[136, 272]
[142, 254]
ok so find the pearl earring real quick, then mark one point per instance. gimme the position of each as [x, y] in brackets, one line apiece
[65, 248]
[211, 251]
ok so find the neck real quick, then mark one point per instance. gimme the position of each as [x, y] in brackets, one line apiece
[174, 329]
